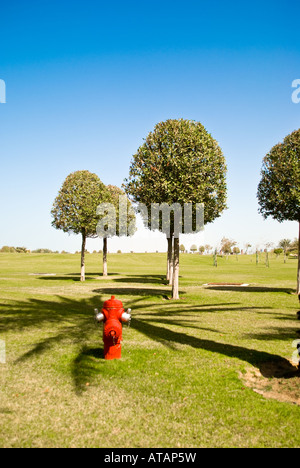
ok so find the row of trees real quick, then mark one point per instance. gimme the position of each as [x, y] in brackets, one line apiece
[203, 248]
[226, 248]
[286, 247]
[180, 163]
[75, 209]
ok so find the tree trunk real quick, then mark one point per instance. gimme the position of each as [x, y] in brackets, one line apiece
[175, 287]
[82, 274]
[170, 261]
[105, 256]
[216, 258]
[298, 273]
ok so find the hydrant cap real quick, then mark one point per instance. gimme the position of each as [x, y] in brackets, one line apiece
[113, 303]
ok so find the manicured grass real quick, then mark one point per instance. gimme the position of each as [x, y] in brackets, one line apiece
[190, 371]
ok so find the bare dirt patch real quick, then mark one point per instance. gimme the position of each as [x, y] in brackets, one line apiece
[275, 380]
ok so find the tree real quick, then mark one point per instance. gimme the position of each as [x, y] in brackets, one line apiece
[201, 249]
[226, 245]
[294, 247]
[236, 251]
[278, 252]
[278, 191]
[7, 249]
[122, 219]
[256, 257]
[215, 258]
[182, 248]
[285, 245]
[248, 246]
[268, 247]
[207, 248]
[193, 248]
[74, 209]
[179, 163]
[21, 250]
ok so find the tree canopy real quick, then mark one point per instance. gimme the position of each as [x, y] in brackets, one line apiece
[226, 245]
[279, 189]
[179, 162]
[74, 209]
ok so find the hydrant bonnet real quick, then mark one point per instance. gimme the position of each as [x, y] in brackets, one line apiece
[112, 303]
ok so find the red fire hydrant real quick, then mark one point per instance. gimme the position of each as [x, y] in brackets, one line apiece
[112, 316]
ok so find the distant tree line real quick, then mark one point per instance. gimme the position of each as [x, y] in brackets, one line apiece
[7, 249]
[285, 246]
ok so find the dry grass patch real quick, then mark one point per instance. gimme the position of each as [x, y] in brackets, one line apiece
[275, 380]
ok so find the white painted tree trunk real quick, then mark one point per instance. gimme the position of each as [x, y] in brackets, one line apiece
[82, 273]
[105, 256]
[170, 261]
[175, 287]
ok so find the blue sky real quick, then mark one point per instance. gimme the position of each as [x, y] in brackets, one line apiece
[86, 82]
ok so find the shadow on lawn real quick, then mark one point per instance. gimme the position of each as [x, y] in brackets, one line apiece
[132, 291]
[252, 356]
[143, 279]
[258, 289]
[70, 322]
[74, 277]
[86, 366]
[134, 279]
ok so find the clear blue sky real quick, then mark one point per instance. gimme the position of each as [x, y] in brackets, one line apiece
[86, 81]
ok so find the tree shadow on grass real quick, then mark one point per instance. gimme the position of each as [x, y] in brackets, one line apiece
[133, 291]
[69, 322]
[281, 367]
[143, 279]
[75, 277]
[95, 273]
[85, 367]
[255, 289]
[132, 279]
[64, 278]
[196, 309]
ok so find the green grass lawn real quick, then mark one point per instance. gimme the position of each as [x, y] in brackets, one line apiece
[209, 370]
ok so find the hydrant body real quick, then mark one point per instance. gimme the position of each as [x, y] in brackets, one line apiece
[113, 315]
